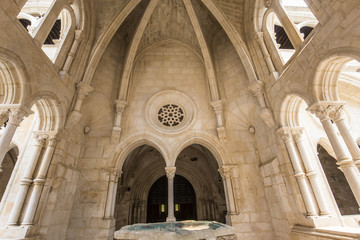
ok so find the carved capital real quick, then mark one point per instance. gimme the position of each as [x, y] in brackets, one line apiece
[337, 113]
[267, 3]
[114, 174]
[83, 90]
[225, 171]
[217, 105]
[40, 138]
[170, 172]
[259, 37]
[17, 115]
[120, 106]
[298, 134]
[324, 109]
[285, 134]
[257, 89]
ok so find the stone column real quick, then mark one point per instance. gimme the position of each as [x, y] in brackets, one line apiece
[298, 135]
[260, 39]
[299, 173]
[338, 117]
[218, 109]
[71, 55]
[114, 175]
[170, 173]
[83, 89]
[16, 115]
[225, 172]
[265, 113]
[322, 111]
[39, 182]
[119, 108]
[4, 115]
[27, 179]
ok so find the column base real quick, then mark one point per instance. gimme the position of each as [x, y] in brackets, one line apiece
[15, 232]
[170, 219]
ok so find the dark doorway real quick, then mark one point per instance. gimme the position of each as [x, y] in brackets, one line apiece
[184, 199]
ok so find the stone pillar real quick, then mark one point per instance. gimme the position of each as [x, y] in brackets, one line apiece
[170, 173]
[225, 172]
[218, 109]
[299, 173]
[338, 117]
[27, 179]
[71, 55]
[39, 182]
[114, 175]
[16, 115]
[83, 89]
[265, 113]
[119, 108]
[298, 135]
[260, 39]
[351, 172]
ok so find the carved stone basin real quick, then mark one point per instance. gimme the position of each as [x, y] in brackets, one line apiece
[199, 230]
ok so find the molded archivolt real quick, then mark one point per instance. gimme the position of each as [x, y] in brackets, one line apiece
[326, 77]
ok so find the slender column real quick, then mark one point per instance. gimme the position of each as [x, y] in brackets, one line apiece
[111, 194]
[71, 55]
[298, 135]
[258, 90]
[322, 110]
[339, 118]
[225, 172]
[16, 115]
[39, 183]
[119, 108]
[170, 173]
[299, 173]
[260, 39]
[27, 179]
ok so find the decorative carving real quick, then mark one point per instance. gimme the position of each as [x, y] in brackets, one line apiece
[120, 106]
[40, 138]
[337, 113]
[225, 171]
[298, 134]
[17, 115]
[285, 134]
[83, 90]
[170, 172]
[218, 109]
[267, 3]
[325, 110]
[171, 115]
[116, 132]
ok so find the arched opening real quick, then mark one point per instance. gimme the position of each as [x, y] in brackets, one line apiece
[339, 186]
[7, 168]
[199, 166]
[184, 200]
[142, 167]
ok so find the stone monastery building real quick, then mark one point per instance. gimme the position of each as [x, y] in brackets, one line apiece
[115, 112]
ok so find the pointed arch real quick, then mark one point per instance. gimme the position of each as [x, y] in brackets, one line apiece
[235, 38]
[105, 39]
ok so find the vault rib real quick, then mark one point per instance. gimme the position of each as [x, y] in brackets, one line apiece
[133, 49]
[205, 51]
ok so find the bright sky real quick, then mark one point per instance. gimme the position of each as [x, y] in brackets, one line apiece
[298, 3]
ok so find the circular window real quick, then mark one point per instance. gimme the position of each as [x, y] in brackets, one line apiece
[170, 111]
[171, 115]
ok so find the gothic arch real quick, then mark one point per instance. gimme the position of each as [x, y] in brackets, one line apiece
[13, 78]
[201, 138]
[325, 77]
[128, 145]
[290, 110]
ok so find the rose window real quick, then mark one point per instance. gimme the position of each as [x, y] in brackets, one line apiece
[171, 115]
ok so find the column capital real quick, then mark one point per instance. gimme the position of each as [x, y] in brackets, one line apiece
[120, 106]
[225, 171]
[323, 109]
[259, 36]
[267, 3]
[40, 138]
[337, 113]
[285, 134]
[83, 90]
[170, 172]
[298, 133]
[217, 105]
[17, 114]
[257, 88]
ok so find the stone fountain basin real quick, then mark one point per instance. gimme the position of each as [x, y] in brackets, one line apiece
[177, 230]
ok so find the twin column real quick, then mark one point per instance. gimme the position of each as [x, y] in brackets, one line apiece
[27, 180]
[333, 111]
[304, 171]
[170, 173]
